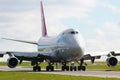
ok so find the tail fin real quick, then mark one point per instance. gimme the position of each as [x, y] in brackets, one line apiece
[44, 30]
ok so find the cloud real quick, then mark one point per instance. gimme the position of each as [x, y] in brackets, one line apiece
[17, 6]
[113, 8]
[108, 28]
[105, 38]
[99, 32]
[102, 44]
[21, 19]
[75, 9]
[112, 28]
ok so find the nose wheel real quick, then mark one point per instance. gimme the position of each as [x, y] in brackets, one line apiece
[73, 67]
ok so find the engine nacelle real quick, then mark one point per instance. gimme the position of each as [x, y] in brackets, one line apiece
[112, 61]
[12, 62]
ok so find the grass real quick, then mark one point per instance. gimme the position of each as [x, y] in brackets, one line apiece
[102, 66]
[36, 76]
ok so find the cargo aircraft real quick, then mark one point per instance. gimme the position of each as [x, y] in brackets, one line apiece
[67, 47]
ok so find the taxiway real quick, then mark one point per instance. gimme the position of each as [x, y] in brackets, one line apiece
[109, 74]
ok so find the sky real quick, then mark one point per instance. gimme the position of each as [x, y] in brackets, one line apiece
[97, 20]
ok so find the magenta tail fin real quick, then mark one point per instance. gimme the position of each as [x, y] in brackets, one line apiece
[44, 30]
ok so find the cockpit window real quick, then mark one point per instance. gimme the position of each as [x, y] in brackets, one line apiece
[74, 32]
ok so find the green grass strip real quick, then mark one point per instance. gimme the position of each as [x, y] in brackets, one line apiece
[38, 76]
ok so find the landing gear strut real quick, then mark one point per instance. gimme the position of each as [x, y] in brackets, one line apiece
[50, 67]
[73, 67]
[65, 67]
[36, 67]
[81, 67]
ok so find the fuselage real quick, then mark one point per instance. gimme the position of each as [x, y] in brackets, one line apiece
[67, 46]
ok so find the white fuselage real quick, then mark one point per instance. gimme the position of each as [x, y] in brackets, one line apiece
[67, 46]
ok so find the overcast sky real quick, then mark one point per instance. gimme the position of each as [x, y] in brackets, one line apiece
[97, 20]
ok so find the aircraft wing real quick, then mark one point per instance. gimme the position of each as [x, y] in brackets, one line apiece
[97, 55]
[28, 56]
[92, 58]
[30, 42]
[2, 54]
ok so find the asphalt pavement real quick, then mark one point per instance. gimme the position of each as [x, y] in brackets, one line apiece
[109, 74]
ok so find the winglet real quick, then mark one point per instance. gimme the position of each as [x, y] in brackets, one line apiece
[44, 30]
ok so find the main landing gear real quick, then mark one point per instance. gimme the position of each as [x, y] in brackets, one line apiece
[81, 67]
[50, 67]
[36, 67]
[65, 67]
[73, 67]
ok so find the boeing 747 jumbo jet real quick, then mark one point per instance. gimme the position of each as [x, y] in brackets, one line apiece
[66, 47]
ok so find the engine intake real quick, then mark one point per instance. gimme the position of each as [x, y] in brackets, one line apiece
[112, 61]
[12, 62]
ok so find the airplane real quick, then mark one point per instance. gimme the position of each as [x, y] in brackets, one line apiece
[67, 47]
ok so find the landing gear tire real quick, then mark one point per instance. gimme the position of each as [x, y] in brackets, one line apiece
[52, 68]
[67, 68]
[63, 68]
[73, 68]
[49, 68]
[36, 68]
[83, 68]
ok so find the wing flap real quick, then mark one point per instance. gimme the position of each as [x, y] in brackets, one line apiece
[97, 55]
[92, 58]
[88, 57]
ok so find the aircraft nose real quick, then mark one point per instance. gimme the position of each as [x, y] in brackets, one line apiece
[79, 43]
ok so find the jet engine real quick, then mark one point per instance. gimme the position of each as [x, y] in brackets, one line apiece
[112, 61]
[12, 62]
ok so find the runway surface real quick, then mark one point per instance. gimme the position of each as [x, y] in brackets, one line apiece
[108, 74]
